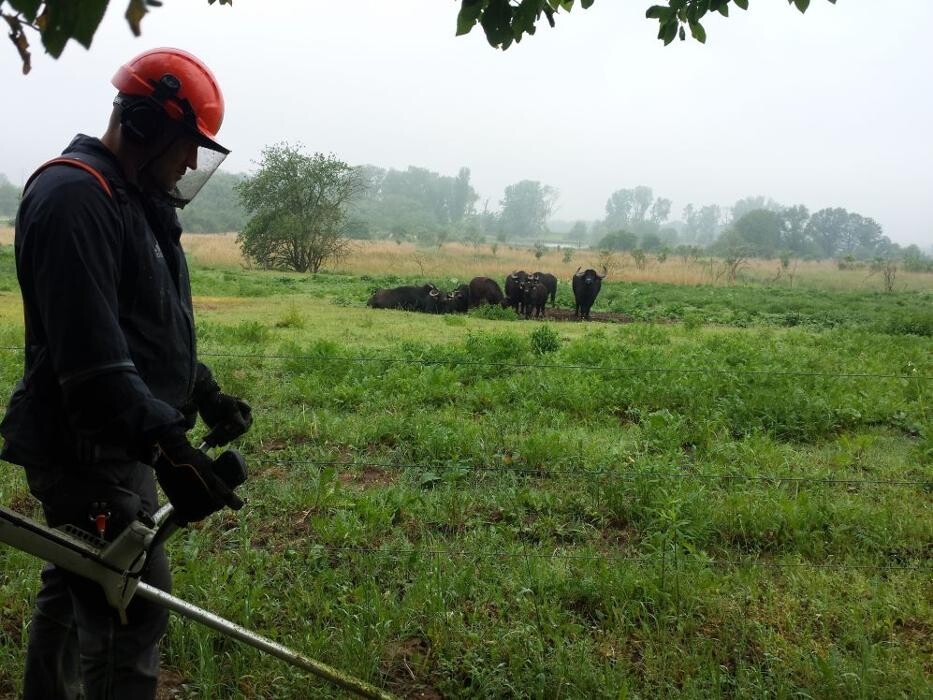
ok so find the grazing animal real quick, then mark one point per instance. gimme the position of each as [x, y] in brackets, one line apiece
[458, 301]
[427, 298]
[586, 287]
[549, 281]
[484, 290]
[535, 298]
[515, 291]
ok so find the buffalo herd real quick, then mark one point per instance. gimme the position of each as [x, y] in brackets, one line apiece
[526, 293]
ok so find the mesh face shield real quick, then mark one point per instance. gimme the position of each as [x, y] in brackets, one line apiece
[145, 121]
[193, 180]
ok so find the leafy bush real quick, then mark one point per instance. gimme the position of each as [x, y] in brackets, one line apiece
[491, 312]
[291, 319]
[249, 332]
[909, 323]
[544, 339]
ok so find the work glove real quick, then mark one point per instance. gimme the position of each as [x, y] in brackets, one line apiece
[188, 478]
[227, 416]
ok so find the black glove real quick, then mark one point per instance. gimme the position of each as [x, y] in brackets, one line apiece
[187, 476]
[227, 416]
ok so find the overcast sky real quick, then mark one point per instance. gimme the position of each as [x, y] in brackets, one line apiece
[832, 108]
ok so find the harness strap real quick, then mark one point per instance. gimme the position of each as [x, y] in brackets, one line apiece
[74, 162]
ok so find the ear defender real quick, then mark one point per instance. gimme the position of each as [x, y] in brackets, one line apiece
[144, 119]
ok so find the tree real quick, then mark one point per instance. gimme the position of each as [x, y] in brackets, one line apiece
[217, 207]
[747, 204]
[461, 199]
[619, 240]
[9, 197]
[415, 202]
[651, 242]
[837, 231]
[701, 225]
[297, 206]
[57, 21]
[578, 232]
[761, 231]
[794, 222]
[636, 210]
[525, 208]
[503, 21]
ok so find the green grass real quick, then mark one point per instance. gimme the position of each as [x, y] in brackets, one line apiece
[452, 504]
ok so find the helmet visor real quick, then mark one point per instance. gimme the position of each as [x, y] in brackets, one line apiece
[193, 180]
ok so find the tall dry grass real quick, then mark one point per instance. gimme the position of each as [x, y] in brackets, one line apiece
[463, 261]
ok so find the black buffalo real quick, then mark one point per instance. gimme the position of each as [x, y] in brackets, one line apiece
[484, 290]
[427, 298]
[549, 281]
[458, 301]
[515, 291]
[586, 286]
[535, 298]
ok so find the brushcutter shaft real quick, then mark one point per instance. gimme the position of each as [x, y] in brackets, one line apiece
[231, 629]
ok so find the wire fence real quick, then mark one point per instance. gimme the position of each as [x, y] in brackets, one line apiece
[730, 371]
[597, 474]
[635, 560]
[911, 560]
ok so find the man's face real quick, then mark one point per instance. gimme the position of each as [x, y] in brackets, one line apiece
[173, 162]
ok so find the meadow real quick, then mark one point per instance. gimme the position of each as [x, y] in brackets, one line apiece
[731, 495]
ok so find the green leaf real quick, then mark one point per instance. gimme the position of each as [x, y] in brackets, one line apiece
[524, 18]
[696, 29]
[724, 10]
[802, 5]
[586, 4]
[28, 8]
[63, 20]
[470, 11]
[742, 4]
[497, 23]
[659, 12]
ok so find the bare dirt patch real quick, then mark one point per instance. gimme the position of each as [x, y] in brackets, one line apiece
[407, 663]
[172, 685]
[367, 478]
[558, 314]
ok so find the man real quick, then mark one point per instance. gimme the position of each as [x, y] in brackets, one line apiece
[111, 381]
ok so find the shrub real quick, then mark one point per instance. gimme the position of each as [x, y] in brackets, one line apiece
[544, 339]
[491, 312]
[291, 319]
[916, 323]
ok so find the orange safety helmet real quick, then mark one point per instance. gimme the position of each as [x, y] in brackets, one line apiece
[194, 99]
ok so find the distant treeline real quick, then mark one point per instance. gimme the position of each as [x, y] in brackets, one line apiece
[424, 206]
[9, 199]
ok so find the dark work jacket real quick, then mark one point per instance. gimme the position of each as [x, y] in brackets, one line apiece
[110, 346]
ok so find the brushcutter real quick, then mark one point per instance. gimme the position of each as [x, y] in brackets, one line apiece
[118, 565]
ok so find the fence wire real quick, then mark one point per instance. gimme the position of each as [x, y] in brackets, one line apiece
[549, 366]
[650, 560]
[593, 475]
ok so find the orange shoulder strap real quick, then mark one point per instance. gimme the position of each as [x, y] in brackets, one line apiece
[74, 162]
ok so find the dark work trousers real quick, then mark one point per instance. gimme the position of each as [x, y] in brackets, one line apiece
[78, 647]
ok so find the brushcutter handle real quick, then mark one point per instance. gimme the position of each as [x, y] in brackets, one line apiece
[229, 466]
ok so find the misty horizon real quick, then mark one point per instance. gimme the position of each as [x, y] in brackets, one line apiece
[819, 109]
